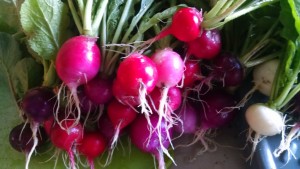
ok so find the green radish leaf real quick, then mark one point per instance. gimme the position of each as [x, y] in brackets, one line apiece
[10, 54]
[45, 24]
[26, 74]
[290, 18]
[9, 18]
[114, 11]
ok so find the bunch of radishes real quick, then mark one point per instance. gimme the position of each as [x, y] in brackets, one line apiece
[149, 96]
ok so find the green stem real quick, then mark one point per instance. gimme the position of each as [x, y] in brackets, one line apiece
[103, 37]
[81, 7]
[261, 59]
[253, 6]
[75, 16]
[122, 21]
[87, 21]
[50, 77]
[213, 21]
[99, 16]
[215, 10]
[290, 96]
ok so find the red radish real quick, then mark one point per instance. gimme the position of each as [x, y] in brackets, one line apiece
[77, 62]
[192, 73]
[68, 137]
[38, 105]
[170, 68]
[136, 77]
[91, 146]
[185, 26]
[99, 90]
[121, 116]
[124, 97]
[151, 141]
[206, 46]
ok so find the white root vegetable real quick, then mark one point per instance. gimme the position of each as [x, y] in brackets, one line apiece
[263, 76]
[264, 121]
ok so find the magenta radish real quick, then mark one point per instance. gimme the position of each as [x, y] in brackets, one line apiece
[91, 146]
[185, 26]
[151, 141]
[206, 46]
[189, 120]
[99, 90]
[136, 77]
[67, 138]
[173, 98]
[77, 62]
[38, 105]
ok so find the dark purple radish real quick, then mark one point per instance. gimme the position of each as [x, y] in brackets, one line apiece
[91, 146]
[185, 26]
[151, 140]
[206, 46]
[121, 116]
[189, 120]
[38, 104]
[227, 69]
[217, 109]
[67, 138]
[99, 90]
[136, 77]
[86, 105]
[170, 68]
[192, 73]
[20, 138]
[106, 128]
[77, 62]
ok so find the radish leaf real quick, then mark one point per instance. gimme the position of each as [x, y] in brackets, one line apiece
[45, 24]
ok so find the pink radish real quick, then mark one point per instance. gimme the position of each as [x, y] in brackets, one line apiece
[77, 62]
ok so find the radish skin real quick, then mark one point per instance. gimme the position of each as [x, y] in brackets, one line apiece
[263, 76]
[264, 121]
